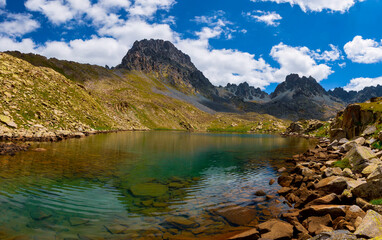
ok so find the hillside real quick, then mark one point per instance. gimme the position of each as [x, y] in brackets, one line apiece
[39, 101]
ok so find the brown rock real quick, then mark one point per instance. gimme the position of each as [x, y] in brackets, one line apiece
[247, 235]
[328, 199]
[333, 184]
[271, 182]
[237, 215]
[276, 229]
[181, 222]
[285, 180]
[316, 225]
[321, 210]
[284, 191]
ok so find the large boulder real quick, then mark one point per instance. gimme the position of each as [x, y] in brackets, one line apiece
[369, 190]
[359, 157]
[295, 128]
[333, 184]
[276, 229]
[371, 225]
[7, 121]
[321, 210]
[316, 225]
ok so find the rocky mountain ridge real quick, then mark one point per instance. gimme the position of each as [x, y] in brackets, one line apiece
[356, 97]
[177, 77]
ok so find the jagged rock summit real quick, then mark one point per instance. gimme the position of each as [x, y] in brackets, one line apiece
[296, 86]
[172, 65]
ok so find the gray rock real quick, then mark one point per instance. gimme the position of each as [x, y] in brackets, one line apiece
[369, 190]
[371, 225]
[335, 235]
[359, 157]
[369, 130]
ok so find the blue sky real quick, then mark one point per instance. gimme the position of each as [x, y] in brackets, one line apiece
[259, 41]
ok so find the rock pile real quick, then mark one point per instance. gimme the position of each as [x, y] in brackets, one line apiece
[331, 189]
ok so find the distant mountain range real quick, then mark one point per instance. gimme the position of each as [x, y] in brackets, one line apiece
[295, 98]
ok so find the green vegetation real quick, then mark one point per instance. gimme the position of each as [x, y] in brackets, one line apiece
[377, 145]
[376, 201]
[344, 163]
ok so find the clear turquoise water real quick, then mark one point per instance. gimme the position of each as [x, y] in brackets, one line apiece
[81, 188]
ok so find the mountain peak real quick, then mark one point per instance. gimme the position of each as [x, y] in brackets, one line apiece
[172, 65]
[307, 86]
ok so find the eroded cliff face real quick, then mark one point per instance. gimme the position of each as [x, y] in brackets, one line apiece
[357, 120]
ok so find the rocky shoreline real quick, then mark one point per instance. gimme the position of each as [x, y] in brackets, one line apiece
[14, 140]
[331, 189]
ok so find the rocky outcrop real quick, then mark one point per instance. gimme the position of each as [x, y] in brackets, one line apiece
[355, 119]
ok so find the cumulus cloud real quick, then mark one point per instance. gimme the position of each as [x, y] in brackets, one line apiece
[328, 56]
[318, 5]
[298, 60]
[361, 50]
[16, 25]
[222, 66]
[56, 11]
[269, 18]
[358, 84]
[2, 3]
[25, 45]
[147, 8]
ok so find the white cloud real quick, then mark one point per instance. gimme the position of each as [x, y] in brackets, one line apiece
[318, 5]
[56, 11]
[269, 18]
[227, 65]
[26, 45]
[328, 56]
[147, 8]
[298, 60]
[100, 51]
[136, 29]
[361, 50]
[358, 84]
[17, 25]
[3, 3]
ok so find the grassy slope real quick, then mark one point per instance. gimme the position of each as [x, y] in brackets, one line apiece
[37, 95]
[116, 99]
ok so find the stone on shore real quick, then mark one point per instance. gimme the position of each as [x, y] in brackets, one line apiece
[321, 210]
[276, 229]
[360, 157]
[369, 190]
[7, 121]
[316, 225]
[333, 184]
[335, 235]
[371, 225]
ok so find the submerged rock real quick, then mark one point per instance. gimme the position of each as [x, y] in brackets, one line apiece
[40, 214]
[116, 229]
[76, 221]
[247, 235]
[148, 190]
[237, 215]
[181, 222]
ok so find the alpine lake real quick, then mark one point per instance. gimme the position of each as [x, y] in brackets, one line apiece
[143, 185]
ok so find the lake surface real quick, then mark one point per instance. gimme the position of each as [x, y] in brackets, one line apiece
[148, 185]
